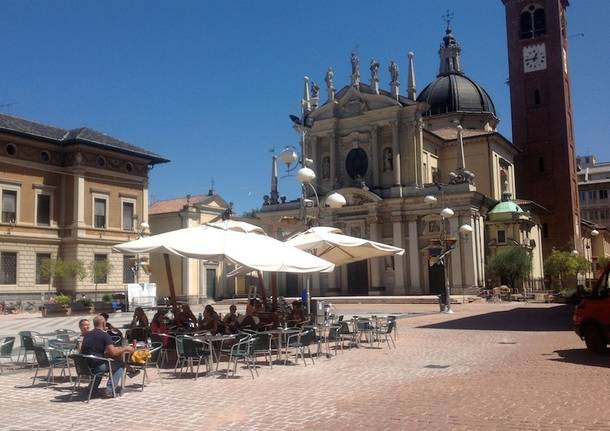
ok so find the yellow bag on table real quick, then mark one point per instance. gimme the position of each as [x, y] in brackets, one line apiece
[140, 357]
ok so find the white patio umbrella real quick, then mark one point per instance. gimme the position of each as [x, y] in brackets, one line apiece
[332, 245]
[239, 243]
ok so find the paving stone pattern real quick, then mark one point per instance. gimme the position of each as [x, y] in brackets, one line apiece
[486, 367]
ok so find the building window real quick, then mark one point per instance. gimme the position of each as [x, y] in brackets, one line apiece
[128, 214]
[128, 269]
[8, 268]
[592, 195]
[582, 196]
[43, 209]
[42, 278]
[99, 212]
[356, 163]
[325, 168]
[532, 22]
[9, 206]
[536, 97]
[100, 276]
[603, 194]
[501, 236]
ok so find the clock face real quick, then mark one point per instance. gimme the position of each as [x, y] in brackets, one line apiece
[534, 57]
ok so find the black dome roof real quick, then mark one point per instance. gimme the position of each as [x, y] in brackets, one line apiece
[455, 92]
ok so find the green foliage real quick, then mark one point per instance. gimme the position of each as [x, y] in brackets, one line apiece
[565, 264]
[100, 270]
[63, 300]
[85, 302]
[66, 268]
[48, 268]
[602, 262]
[512, 265]
[107, 297]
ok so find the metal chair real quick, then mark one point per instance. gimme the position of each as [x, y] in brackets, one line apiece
[347, 334]
[6, 348]
[299, 342]
[261, 343]
[55, 361]
[241, 349]
[27, 344]
[334, 336]
[386, 332]
[83, 370]
[192, 351]
[153, 360]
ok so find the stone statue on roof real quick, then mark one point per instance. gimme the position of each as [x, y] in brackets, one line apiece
[329, 83]
[374, 70]
[393, 73]
[355, 69]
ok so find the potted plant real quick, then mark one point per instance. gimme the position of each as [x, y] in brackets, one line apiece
[105, 304]
[82, 305]
[57, 306]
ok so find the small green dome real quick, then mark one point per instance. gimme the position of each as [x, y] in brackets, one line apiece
[506, 207]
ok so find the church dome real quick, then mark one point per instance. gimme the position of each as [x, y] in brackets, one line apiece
[455, 92]
[452, 91]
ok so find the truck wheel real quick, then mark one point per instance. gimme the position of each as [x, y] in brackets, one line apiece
[595, 339]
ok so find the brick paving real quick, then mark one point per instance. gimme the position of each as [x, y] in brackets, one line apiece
[488, 366]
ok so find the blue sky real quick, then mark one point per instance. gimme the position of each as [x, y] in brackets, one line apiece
[210, 84]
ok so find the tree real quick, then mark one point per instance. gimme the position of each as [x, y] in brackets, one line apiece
[99, 271]
[565, 264]
[61, 269]
[512, 265]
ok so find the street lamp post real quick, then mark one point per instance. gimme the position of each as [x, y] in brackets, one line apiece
[447, 245]
[306, 175]
[143, 230]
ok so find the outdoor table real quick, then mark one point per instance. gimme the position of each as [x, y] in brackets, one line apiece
[210, 339]
[282, 335]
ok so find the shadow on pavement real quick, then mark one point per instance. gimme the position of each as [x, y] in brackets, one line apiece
[557, 318]
[583, 357]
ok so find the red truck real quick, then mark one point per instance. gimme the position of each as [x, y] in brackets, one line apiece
[592, 315]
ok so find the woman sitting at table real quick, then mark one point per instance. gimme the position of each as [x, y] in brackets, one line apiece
[111, 330]
[211, 320]
[138, 325]
[230, 320]
[158, 326]
[297, 315]
[250, 320]
[184, 318]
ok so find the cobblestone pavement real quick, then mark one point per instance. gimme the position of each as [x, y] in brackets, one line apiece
[488, 366]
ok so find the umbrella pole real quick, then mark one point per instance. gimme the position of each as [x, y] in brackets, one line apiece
[170, 282]
[274, 290]
[261, 285]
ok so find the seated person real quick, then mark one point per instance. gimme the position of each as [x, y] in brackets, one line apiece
[139, 326]
[184, 318]
[297, 314]
[97, 342]
[230, 320]
[211, 320]
[158, 326]
[112, 331]
[83, 326]
[250, 320]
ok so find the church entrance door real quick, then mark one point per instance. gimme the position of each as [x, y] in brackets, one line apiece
[436, 277]
[358, 278]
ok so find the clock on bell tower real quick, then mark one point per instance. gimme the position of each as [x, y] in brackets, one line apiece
[541, 110]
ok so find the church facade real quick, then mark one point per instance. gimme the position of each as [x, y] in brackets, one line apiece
[385, 152]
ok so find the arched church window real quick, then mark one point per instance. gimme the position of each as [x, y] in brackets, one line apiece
[326, 168]
[532, 22]
[356, 163]
[388, 162]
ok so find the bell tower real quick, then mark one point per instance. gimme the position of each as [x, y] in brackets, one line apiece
[541, 108]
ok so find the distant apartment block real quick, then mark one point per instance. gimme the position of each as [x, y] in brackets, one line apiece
[593, 189]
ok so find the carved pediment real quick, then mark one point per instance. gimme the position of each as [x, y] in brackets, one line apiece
[356, 197]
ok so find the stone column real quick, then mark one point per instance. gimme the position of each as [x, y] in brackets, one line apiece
[399, 266]
[313, 155]
[144, 203]
[413, 254]
[375, 154]
[375, 263]
[418, 145]
[333, 159]
[469, 253]
[396, 151]
[79, 205]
